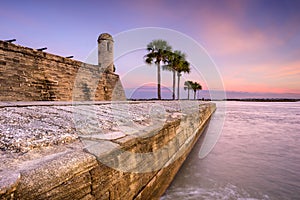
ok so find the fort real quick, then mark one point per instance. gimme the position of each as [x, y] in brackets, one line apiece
[30, 75]
[63, 135]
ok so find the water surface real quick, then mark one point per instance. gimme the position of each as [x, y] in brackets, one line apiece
[257, 155]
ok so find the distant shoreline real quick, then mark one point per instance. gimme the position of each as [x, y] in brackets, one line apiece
[265, 100]
[246, 99]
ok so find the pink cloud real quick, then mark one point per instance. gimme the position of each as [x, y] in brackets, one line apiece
[225, 37]
[265, 77]
[287, 70]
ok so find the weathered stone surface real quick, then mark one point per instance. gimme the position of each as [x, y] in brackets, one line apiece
[8, 184]
[106, 136]
[26, 125]
[141, 166]
[30, 75]
[75, 188]
[39, 177]
[105, 52]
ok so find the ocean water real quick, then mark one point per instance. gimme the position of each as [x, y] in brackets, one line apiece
[257, 155]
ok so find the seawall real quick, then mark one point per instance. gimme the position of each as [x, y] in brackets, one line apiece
[27, 74]
[133, 152]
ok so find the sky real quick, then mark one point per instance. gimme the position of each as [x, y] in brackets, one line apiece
[253, 44]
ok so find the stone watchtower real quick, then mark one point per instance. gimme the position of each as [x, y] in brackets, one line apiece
[106, 52]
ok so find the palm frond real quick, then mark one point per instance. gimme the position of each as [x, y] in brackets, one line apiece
[167, 68]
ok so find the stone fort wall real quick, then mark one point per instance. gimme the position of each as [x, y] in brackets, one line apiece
[30, 75]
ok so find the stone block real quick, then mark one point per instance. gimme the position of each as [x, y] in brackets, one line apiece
[42, 176]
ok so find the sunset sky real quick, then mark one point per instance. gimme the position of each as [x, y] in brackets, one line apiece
[255, 45]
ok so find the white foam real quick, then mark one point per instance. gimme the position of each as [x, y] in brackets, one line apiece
[226, 192]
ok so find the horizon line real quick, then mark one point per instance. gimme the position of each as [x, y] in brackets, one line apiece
[216, 90]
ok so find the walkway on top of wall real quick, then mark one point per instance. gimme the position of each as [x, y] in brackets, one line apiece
[74, 103]
[28, 125]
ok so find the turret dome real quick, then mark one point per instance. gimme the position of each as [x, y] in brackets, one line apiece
[105, 36]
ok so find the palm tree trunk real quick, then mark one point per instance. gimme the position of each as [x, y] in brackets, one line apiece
[194, 95]
[188, 93]
[174, 77]
[178, 85]
[158, 81]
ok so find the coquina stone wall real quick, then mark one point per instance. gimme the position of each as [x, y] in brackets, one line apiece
[30, 75]
[110, 167]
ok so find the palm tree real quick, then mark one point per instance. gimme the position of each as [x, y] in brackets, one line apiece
[188, 86]
[196, 86]
[174, 60]
[199, 87]
[158, 52]
[185, 68]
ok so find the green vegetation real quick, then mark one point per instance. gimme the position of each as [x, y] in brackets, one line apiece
[185, 68]
[196, 87]
[176, 63]
[158, 50]
[190, 85]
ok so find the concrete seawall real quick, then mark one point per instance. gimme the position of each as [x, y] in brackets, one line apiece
[109, 150]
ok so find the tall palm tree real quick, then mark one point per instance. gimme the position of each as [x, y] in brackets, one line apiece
[158, 52]
[174, 60]
[184, 68]
[188, 86]
[196, 86]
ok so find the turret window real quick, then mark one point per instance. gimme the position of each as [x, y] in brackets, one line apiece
[108, 46]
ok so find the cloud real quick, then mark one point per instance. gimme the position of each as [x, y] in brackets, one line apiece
[289, 70]
[265, 77]
[226, 37]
